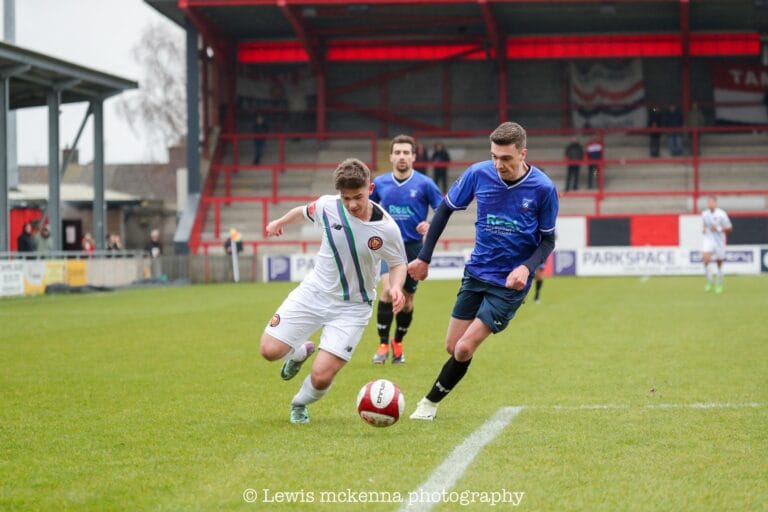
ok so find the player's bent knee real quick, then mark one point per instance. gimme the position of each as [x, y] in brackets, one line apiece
[322, 378]
[270, 349]
[463, 352]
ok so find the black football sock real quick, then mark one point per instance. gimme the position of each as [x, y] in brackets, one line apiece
[384, 321]
[539, 284]
[453, 371]
[402, 322]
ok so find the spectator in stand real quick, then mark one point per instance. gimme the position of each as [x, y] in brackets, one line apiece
[695, 120]
[594, 159]
[422, 158]
[259, 127]
[43, 240]
[574, 153]
[673, 118]
[440, 154]
[654, 121]
[765, 101]
[87, 244]
[26, 241]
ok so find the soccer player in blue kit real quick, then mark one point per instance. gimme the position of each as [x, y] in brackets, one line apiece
[515, 232]
[406, 195]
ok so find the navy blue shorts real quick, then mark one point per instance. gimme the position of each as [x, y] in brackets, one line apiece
[494, 305]
[412, 250]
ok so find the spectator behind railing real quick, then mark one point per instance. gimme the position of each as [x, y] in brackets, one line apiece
[88, 244]
[43, 240]
[26, 242]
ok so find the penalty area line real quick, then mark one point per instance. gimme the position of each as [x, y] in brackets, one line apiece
[445, 476]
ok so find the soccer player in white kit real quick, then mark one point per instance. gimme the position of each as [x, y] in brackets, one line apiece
[339, 292]
[716, 226]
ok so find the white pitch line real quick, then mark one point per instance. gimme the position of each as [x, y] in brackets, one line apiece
[448, 473]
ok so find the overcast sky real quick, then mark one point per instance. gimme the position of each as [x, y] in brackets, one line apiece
[97, 34]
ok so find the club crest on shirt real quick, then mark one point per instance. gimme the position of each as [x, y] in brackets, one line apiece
[413, 193]
[526, 204]
[275, 321]
[375, 243]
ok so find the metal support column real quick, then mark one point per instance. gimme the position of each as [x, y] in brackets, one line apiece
[193, 112]
[99, 204]
[5, 211]
[54, 178]
[685, 71]
[9, 36]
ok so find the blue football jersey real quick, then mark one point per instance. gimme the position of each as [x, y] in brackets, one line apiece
[510, 218]
[407, 202]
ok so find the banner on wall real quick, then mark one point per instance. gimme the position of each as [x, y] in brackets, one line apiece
[741, 93]
[11, 278]
[294, 267]
[650, 261]
[608, 94]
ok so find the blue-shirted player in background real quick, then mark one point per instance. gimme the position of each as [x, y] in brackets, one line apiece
[514, 233]
[406, 195]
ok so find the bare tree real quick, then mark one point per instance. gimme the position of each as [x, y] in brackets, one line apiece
[158, 108]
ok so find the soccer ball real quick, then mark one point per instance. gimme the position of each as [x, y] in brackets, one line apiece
[380, 403]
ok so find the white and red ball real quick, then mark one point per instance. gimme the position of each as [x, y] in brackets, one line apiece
[380, 403]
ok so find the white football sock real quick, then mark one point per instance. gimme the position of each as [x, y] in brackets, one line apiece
[719, 276]
[308, 394]
[708, 269]
[298, 354]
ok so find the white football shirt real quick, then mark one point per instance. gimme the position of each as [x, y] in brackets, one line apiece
[348, 262]
[715, 222]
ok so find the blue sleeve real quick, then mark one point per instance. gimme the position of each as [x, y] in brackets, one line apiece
[375, 194]
[462, 192]
[548, 211]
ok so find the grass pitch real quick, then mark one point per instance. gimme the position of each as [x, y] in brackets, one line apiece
[158, 400]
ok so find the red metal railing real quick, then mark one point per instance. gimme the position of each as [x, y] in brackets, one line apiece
[599, 194]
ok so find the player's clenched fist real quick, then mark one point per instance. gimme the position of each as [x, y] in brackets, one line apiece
[418, 269]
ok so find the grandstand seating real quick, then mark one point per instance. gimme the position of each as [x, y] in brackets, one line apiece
[667, 183]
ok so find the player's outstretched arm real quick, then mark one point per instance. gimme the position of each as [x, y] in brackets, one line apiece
[396, 282]
[294, 216]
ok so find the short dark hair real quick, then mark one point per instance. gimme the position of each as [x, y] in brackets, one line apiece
[509, 133]
[403, 139]
[351, 174]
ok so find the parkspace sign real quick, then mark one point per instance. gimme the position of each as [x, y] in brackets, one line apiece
[641, 261]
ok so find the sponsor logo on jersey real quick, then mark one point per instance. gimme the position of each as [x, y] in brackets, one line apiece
[275, 321]
[311, 207]
[500, 225]
[337, 227]
[375, 243]
[400, 212]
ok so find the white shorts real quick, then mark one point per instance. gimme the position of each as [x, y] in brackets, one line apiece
[303, 312]
[715, 247]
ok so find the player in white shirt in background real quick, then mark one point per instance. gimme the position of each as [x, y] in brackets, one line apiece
[339, 292]
[716, 226]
